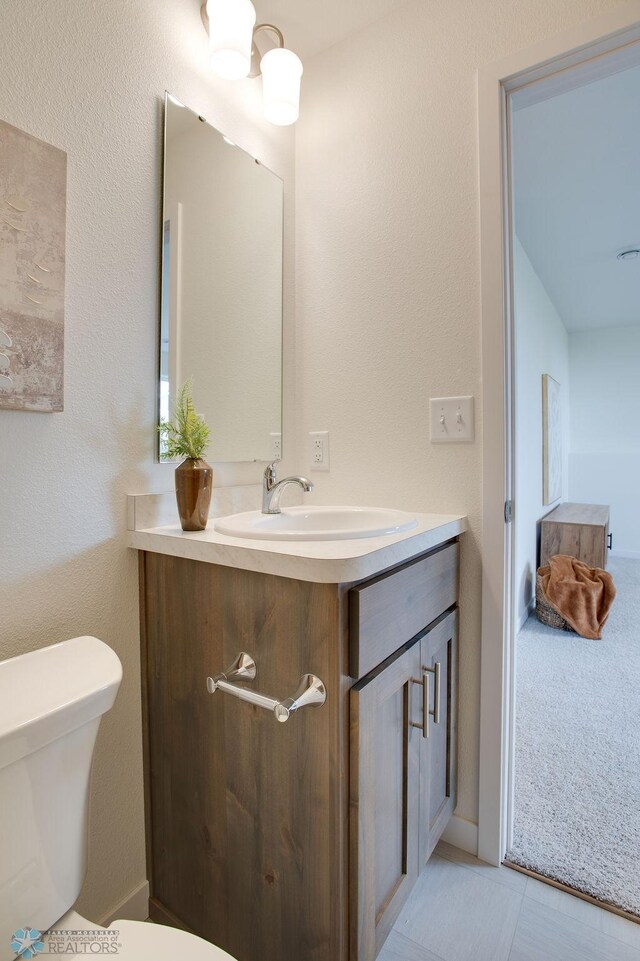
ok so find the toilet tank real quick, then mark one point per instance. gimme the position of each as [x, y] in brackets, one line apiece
[51, 702]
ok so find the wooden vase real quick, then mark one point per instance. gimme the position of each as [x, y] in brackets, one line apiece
[194, 485]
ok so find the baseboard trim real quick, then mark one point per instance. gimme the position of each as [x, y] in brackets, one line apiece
[527, 614]
[462, 834]
[161, 915]
[631, 555]
[135, 907]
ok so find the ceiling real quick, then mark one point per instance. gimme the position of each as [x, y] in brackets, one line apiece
[310, 26]
[576, 175]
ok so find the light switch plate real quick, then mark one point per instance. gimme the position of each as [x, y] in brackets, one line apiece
[451, 420]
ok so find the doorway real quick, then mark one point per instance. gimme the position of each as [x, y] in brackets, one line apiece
[569, 61]
[576, 386]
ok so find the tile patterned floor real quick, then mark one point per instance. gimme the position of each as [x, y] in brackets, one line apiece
[464, 910]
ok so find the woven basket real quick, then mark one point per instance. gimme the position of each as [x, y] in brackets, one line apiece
[547, 614]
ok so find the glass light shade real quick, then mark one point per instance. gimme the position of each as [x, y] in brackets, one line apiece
[231, 24]
[281, 73]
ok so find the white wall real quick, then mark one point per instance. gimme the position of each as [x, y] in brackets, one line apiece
[541, 347]
[388, 278]
[604, 465]
[90, 78]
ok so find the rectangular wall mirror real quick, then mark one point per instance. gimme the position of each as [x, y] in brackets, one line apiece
[221, 311]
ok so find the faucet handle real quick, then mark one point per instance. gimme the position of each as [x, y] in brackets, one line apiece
[270, 475]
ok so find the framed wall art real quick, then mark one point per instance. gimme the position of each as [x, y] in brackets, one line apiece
[33, 201]
[551, 440]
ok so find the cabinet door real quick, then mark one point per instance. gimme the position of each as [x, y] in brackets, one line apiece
[384, 811]
[438, 754]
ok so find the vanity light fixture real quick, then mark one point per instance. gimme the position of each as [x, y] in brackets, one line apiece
[281, 75]
[235, 54]
[230, 37]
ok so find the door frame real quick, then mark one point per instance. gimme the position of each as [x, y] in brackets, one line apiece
[582, 46]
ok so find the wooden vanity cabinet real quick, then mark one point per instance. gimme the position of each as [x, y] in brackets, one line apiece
[300, 839]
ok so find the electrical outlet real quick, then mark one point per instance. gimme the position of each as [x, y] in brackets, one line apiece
[276, 446]
[319, 449]
[451, 419]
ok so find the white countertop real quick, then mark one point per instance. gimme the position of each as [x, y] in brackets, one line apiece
[323, 562]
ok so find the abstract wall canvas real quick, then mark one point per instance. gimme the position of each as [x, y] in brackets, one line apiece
[33, 202]
[551, 440]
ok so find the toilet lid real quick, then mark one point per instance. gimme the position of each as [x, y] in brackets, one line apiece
[143, 941]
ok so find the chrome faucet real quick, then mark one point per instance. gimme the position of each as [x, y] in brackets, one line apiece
[272, 489]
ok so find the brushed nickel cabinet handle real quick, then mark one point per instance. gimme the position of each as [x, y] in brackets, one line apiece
[424, 684]
[311, 691]
[435, 670]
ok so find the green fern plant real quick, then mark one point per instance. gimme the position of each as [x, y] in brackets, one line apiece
[187, 435]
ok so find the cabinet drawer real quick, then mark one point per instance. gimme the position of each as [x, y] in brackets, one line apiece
[386, 612]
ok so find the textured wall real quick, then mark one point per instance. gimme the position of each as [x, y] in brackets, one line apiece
[387, 246]
[542, 347]
[89, 77]
[604, 463]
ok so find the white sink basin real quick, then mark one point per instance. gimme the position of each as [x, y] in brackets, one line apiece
[316, 523]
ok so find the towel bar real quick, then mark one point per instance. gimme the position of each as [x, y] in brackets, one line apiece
[311, 691]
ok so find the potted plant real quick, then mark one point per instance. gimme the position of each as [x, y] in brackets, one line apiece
[187, 435]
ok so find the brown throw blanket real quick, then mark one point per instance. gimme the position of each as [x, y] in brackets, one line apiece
[582, 595]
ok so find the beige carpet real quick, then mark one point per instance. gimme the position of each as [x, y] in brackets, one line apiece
[577, 751]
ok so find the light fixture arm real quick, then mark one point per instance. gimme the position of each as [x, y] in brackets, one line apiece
[256, 53]
[269, 26]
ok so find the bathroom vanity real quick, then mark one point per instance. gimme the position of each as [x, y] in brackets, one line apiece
[299, 839]
[299, 694]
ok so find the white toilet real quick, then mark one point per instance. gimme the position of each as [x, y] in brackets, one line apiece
[51, 702]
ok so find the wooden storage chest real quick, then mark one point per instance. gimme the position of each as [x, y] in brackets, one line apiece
[579, 530]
